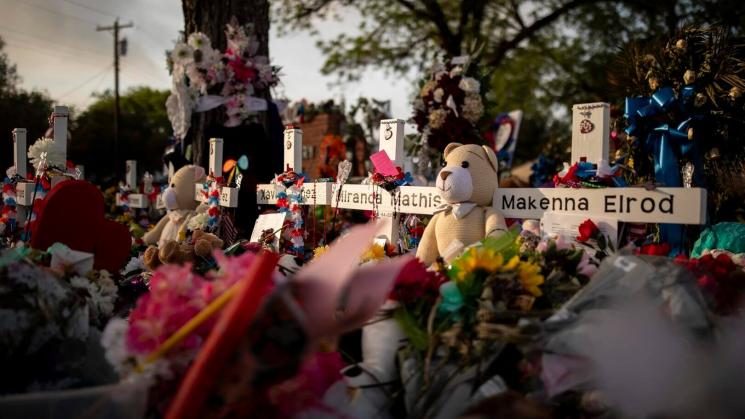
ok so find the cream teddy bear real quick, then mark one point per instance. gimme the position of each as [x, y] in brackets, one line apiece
[181, 206]
[467, 184]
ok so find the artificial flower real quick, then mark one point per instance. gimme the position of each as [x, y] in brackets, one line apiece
[469, 85]
[438, 95]
[427, 88]
[198, 40]
[182, 53]
[54, 157]
[473, 108]
[452, 299]
[198, 222]
[437, 118]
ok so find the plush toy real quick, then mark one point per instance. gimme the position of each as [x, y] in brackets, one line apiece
[466, 184]
[202, 244]
[181, 206]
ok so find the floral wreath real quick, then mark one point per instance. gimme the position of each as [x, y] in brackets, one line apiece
[449, 105]
[205, 78]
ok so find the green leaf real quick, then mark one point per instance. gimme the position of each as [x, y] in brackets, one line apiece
[408, 323]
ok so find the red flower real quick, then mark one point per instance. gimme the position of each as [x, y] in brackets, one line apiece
[242, 72]
[415, 282]
[587, 230]
[213, 212]
[654, 249]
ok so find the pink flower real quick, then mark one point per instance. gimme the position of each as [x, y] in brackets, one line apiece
[585, 267]
[175, 297]
[232, 268]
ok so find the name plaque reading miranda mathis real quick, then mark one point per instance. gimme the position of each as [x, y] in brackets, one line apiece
[406, 199]
[638, 205]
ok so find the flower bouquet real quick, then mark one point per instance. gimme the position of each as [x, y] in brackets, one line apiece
[448, 106]
[205, 78]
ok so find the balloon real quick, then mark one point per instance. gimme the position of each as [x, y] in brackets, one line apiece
[228, 165]
[243, 162]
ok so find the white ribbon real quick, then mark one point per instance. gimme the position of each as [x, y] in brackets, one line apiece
[459, 209]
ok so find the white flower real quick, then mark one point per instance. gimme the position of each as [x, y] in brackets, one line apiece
[469, 85]
[102, 293]
[136, 263]
[439, 93]
[198, 222]
[113, 340]
[473, 108]
[456, 71]
[437, 118]
[182, 53]
[198, 40]
[54, 157]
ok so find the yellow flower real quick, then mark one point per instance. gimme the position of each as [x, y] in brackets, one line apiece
[318, 251]
[374, 252]
[530, 277]
[477, 258]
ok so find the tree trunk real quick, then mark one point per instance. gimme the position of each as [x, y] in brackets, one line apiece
[210, 18]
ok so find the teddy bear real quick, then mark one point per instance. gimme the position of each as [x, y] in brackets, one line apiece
[181, 206]
[202, 244]
[466, 184]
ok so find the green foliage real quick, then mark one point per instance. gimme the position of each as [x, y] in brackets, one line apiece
[143, 131]
[542, 56]
[18, 109]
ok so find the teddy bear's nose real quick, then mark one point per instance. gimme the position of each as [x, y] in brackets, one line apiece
[444, 174]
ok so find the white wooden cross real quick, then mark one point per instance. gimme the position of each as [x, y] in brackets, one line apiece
[25, 189]
[228, 195]
[314, 193]
[590, 142]
[134, 199]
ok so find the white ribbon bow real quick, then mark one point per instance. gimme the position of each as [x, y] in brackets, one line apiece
[459, 209]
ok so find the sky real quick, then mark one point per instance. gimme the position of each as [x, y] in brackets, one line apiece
[56, 48]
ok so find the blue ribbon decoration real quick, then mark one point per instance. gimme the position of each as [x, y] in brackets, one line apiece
[666, 143]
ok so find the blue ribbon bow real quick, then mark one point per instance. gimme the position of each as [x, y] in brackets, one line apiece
[666, 143]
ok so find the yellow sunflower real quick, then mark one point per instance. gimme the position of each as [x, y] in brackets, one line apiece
[318, 251]
[477, 258]
[530, 277]
[374, 252]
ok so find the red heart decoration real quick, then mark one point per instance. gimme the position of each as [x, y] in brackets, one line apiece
[73, 214]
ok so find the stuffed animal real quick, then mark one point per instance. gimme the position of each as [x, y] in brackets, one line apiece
[181, 206]
[466, 184]
[202, 244]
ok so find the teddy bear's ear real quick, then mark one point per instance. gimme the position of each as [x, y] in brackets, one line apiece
[199, 173]
[492, 158]
[450, 147]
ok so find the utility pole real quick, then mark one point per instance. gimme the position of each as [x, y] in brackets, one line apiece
[115, 28]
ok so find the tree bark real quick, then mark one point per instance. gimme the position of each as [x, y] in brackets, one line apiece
[210, 18]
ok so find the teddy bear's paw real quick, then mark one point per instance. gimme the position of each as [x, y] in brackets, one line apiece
[151, 258]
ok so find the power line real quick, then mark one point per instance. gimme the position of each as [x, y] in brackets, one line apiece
[92, 96]
[74, 89]
[48, 52]
[49, 41]
[91, 8]
[48, 10]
